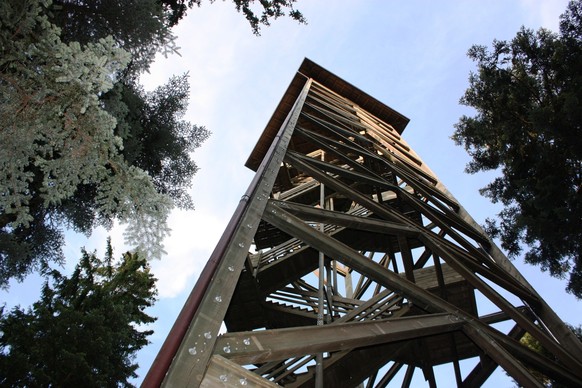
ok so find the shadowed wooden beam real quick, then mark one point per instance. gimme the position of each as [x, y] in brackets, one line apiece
[408, 376]
[502, 357]
[355, 176]
[389, 375]
[504, 305]
[422, 298]
[311, 213]
[225, 373]
[269, 345]
[486, 365]
[568, 376]
[407, 259]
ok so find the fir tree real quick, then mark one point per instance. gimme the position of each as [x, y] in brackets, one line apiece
[527, 94]
[85, 330]
[83, 144]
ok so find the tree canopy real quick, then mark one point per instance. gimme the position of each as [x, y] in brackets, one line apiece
[257, 13]
[85, 329]
[527, 94]
[62, 163]
[83, 143]
[530, 341]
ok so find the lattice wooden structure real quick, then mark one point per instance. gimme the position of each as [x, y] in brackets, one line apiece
[347, 263]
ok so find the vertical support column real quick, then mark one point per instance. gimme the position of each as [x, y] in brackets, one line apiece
[193, 356]
[320, 294]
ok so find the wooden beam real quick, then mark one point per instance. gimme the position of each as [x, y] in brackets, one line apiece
[225, 373]
[269, 345]
[519, 317]
[396, 366]
[502, 357]
[549, 367]
[193, 356]
[407, 259]
[310, 213]
[349, 174]
[408, 376]
[428, 373]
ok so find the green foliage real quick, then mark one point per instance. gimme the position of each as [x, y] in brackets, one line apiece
[84, 330]
[257, 13]
[528, 123]
[83, 144]
[62, 163]
[138, 26]
[155, 138]
[529, 341]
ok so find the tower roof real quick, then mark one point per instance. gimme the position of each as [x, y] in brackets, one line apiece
[310, 69]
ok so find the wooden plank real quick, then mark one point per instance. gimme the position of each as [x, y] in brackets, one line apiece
[486, 365]
[408, 376]
[407, 259]
[394, 368]
[428, 373]
[549, 367]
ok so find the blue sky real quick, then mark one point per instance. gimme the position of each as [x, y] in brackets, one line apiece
[410, 55]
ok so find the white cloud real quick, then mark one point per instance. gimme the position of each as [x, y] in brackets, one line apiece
[188, 247]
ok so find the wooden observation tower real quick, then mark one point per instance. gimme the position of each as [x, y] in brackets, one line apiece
[348, 264]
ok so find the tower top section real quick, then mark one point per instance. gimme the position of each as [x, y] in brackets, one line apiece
[311, 70]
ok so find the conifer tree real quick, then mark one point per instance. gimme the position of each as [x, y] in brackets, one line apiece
[528, 124]
[60, 146]
[85, 330]
[82, 144]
